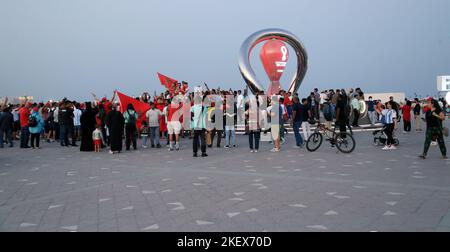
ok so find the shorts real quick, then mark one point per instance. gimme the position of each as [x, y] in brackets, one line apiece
[275, 130]
[174, 127]
[98, 142]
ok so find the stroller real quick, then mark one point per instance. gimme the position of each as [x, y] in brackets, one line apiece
[380, 137]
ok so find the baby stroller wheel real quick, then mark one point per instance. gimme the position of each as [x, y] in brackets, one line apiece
[376, 141]
[396, 142]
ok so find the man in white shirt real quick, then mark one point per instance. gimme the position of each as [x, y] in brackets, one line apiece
[154, 115]
[356, 108]
[56, 121]
[76, 123]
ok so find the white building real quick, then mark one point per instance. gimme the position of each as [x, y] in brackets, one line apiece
[443, 87]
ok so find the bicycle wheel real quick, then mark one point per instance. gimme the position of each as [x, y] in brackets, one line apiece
[314, 142]
[345, 142]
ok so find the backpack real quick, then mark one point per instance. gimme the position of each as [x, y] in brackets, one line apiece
[131, 118]
[32, 122]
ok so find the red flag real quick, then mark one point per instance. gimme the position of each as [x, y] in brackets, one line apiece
[140, 107]
[169, 83]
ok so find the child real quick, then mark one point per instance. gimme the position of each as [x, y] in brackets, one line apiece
[144, 133]
[97, 137]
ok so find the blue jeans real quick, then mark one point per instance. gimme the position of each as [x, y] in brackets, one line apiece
[333, 110]
[298, 137]
[144, 140]
[373, 117]
[154, 135]
[289, 110]
[64, 135]
[8, 135]
[230, 130]
[254, 135]
[24, 137]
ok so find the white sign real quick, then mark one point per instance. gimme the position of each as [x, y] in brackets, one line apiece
[443, 83]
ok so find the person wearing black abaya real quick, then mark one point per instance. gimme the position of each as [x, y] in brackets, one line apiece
[88, 123]
[115, 123]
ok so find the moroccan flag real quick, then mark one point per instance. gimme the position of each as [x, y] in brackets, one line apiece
[140, 107]
[167, 82]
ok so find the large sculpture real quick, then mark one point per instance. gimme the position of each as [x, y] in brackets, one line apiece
[269, 56]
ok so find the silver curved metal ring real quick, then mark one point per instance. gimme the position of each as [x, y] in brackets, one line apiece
[244, 58]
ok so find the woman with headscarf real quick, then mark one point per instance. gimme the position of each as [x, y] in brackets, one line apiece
[115, 123]
[88, 123]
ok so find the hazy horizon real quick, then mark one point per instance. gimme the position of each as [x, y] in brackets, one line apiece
[52, 49]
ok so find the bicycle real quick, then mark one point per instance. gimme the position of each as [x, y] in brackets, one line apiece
[344, 141]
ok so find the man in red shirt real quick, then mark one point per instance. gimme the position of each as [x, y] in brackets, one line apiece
[288, 103]
[406, 111]
[24, 114]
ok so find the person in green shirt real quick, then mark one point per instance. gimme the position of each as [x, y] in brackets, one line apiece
[198, 125]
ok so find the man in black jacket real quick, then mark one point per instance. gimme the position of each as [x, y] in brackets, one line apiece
[65, 117]
[416, 110]
[6, 126]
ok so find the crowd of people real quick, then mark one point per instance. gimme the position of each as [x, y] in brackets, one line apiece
[208, 116]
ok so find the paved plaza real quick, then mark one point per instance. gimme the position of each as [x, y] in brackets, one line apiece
[62, 189]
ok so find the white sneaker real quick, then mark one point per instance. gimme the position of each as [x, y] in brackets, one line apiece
[386, 148]
[275, 150]
[111, 152]
[256, 151]
[392, 147]
[434, 143]
[251, 151]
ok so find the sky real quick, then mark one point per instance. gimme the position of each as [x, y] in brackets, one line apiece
[65, 48]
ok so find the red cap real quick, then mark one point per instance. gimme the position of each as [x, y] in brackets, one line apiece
[104, 99]
[35, 109]
[430, 99]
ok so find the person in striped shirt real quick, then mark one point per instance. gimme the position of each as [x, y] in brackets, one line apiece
[391, 125]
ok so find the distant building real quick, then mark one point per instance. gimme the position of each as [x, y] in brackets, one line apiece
[443, 87]
[443, 83]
